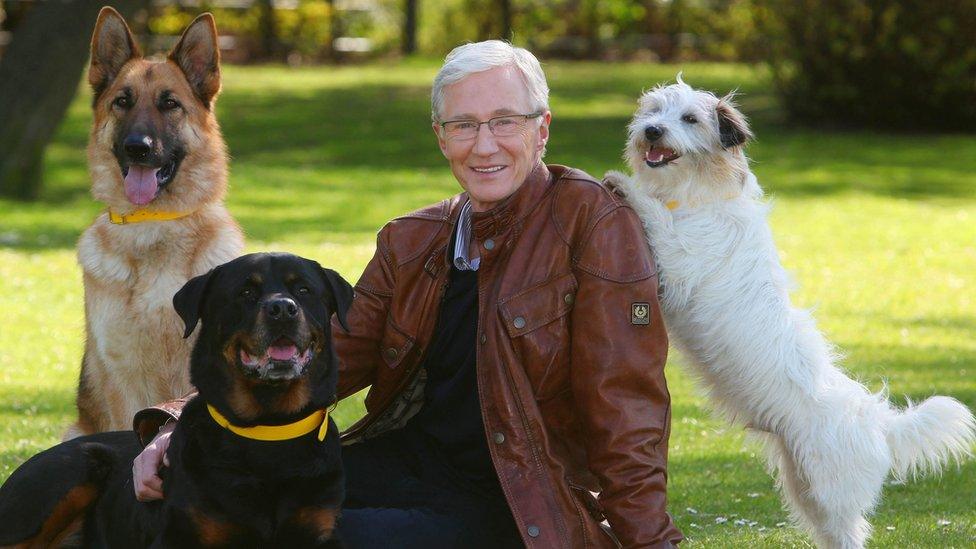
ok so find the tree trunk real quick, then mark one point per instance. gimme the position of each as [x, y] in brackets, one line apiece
[505, 13]
[410, 27]
[335, 31]
[39, 75]
[270, 48]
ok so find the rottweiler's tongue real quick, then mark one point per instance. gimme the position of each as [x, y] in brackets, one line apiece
[141, 184]
[282, 349]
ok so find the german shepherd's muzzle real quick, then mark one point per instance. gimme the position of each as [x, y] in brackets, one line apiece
[254, 460]
[149, 154]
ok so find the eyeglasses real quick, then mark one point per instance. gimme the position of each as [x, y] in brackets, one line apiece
[499, 126]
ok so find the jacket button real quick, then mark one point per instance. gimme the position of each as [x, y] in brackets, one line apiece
[519, 322]
[499, 438]
[568, 298]
[489, 244]
[484, 338]
[533, 531]
[391, 353]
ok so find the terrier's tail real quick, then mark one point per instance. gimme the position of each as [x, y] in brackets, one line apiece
[923, 438]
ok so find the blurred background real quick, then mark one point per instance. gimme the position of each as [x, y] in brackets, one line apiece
[902, 64]
[865, 115]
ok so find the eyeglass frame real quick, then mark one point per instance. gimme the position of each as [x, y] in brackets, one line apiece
[477, 130]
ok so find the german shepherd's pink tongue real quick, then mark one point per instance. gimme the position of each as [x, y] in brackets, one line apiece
[141, 185]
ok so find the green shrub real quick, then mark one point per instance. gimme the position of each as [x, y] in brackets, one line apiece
[908, 64]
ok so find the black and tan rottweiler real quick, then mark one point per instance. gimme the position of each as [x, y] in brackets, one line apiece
[254, 460]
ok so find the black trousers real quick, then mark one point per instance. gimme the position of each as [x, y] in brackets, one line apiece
[401, 494]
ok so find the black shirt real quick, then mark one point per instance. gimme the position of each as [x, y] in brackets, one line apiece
[450, 419]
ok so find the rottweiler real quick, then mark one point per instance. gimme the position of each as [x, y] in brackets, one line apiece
[254, 460]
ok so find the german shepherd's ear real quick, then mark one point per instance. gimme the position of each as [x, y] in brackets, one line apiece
[198, 56]
[112, 46]
[188, 302]
[342, 294]
[733, 129]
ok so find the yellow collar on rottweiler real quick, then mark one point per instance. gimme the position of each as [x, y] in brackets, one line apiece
[139, 216]
[318, 419]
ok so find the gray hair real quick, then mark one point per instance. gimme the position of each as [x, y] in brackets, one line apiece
[468, 59]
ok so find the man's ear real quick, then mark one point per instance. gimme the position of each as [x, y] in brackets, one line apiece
[441, 142]
[198, 56]
[733, 129]
[188, 302]
[112, 46]
[341, 292]
[544, 130]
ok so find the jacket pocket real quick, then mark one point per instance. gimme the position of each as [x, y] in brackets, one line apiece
[395, 345]
[536, 319]
[589, 501]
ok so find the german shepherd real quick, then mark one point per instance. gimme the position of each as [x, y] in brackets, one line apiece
[158, 161]
[255, 459]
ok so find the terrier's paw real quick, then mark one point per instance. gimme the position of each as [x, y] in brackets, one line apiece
[618, 183]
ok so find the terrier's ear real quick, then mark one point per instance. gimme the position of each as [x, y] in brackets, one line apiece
[341, 293]
[188, 302]
[733, 129]
[198, 56]
[112, 46]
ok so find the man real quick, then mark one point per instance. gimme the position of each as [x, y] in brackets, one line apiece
[512, 341]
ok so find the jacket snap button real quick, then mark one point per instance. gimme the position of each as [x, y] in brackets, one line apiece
[533, 531]
[499, 438]
[391, 353]
[519, 322]
[568, 298]
[484, 338]
[489, 244]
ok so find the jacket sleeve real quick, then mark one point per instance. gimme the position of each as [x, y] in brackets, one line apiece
[147, 422]
[619, 347]
[359, 348]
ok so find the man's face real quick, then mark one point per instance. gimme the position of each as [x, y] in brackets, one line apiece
[491, 168]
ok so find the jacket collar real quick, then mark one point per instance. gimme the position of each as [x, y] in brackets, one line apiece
[496, 220]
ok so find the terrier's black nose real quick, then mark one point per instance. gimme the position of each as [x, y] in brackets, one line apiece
[653, 133]
[137, 146]
[281, 308]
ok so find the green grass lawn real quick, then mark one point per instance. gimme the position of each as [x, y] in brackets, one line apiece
[879, 231]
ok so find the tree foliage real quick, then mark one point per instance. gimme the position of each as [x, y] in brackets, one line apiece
[907, 64]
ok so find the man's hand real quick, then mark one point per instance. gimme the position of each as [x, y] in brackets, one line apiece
[145, 468]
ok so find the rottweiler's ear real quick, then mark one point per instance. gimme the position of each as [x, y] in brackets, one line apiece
[341, 293]
[189, 300]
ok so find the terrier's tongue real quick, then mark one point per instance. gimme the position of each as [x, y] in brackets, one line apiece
[141, 185]
[283, 352]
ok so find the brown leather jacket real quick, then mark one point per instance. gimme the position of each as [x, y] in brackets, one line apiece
[571, 353]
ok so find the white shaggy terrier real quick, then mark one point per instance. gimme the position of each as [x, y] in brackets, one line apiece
[763, 362]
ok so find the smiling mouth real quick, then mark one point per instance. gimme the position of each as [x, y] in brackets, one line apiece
[144, 183]
[656, 157]
[490, 169]
[280, 361]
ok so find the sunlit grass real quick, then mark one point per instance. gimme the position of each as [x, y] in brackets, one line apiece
[878, 230]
